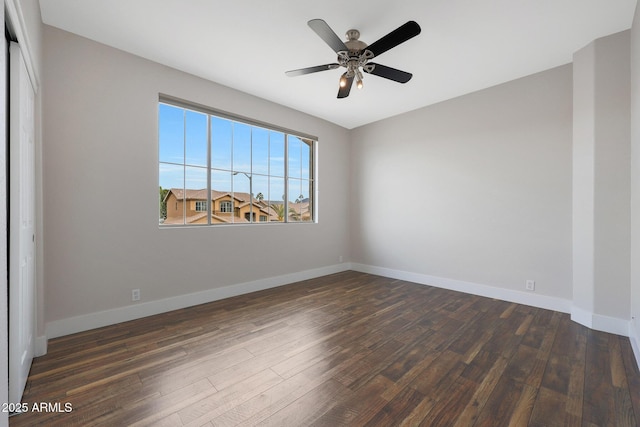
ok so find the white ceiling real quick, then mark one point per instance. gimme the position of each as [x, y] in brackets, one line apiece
[465, 45]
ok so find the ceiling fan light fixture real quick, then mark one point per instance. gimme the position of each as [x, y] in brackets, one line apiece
[359, 79]
[343, 80]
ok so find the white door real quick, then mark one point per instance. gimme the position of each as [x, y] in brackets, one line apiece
[21, 224]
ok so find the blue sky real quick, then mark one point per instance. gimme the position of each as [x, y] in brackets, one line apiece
[240, 155]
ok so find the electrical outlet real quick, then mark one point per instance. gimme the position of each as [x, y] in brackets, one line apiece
[135, 295]
[340, 258]
[531, 285]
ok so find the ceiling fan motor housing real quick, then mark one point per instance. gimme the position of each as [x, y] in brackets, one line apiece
[353, 43]
[357, 55]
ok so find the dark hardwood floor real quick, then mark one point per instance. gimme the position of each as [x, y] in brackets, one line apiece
[349, 349]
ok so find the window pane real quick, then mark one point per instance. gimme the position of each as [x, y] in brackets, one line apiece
[221, 200]
[307, 192]
[241, 183]
[293, 210]
[294, 153]
[171, 194]
[171, 176]
[195, 178]
[195, 191]
[196, 138]
[175, 207]
[297, 193]
[171, 134]
[241, 147]
[276, 199]
[276, 153]
[241, 191]
[260, 151]
[221, 131]
[220, 181]
[299, 200]
[261, 187]
[261, 192]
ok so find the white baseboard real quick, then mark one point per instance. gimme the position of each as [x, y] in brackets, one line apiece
[599, 322]
[582, 316]
[634, 337]
[40, 346]
[58, 328]
[526, 298]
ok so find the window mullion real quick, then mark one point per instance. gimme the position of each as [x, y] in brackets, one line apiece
[184, 167]
[269, 173]
[250, 175]
[233, 201]
[209, 145]
[286, 177]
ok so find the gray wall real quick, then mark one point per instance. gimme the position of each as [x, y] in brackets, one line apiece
[635, 181]
[101, 188]
[601, 179]
[475, 189]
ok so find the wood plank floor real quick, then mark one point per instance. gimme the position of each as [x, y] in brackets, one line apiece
[350, 349]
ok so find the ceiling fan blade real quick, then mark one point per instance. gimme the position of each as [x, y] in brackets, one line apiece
[325, 32]
[343, 92]
[388, 73]
[394, 38]
[309, 70]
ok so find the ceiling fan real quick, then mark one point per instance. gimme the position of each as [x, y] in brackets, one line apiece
[355, 55]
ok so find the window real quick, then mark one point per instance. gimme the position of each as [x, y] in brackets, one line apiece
[226, 207]
[260, 171]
